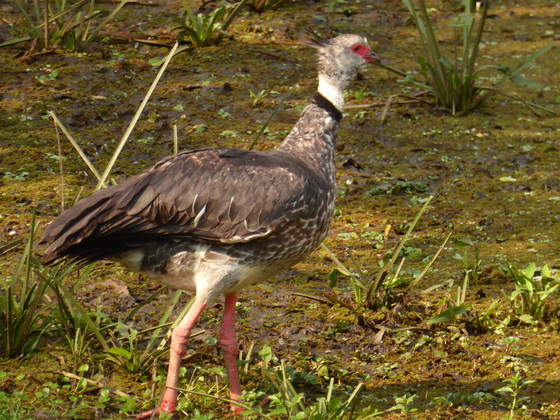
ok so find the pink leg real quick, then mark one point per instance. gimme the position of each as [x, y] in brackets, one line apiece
[179, 341]
[228, 341]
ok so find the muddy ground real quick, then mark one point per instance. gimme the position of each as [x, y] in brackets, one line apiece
[494, 175]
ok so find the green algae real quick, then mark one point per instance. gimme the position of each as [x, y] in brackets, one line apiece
[494, 175]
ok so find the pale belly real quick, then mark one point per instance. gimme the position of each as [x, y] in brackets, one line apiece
[213, 269]
[203, 271]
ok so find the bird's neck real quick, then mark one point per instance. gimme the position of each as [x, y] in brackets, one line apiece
[332, 90]
[313, 138]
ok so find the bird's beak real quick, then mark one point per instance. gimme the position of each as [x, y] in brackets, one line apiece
[372, 57]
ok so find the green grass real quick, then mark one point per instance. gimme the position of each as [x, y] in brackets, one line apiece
[453, 78]
[61, 23]
[533, 290]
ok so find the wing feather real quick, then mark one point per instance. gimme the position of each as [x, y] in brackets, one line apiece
[213, 195]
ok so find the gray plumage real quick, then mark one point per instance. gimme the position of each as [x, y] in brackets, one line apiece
[216, 220]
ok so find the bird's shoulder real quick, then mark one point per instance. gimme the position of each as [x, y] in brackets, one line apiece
[224, 195]
[228, 172]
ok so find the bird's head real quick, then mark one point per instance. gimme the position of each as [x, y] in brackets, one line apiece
[339, 60]
[345, 54]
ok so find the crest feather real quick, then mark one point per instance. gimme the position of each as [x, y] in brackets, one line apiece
[314, 40]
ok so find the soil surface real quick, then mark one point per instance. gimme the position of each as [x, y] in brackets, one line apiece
[494, 175]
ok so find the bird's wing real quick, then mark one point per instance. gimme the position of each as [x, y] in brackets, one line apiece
[215, 195]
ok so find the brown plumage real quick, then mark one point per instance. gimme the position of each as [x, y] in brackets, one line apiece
[216, 220]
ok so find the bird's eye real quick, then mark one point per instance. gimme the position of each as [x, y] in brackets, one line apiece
[356, 48]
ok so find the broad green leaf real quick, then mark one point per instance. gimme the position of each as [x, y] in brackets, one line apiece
[333, 277]
[545, 271]
[520, 80]
[530, 270]
[445, 61]
[528, 319]
[505, 389]
[117, 351]
[448, 315]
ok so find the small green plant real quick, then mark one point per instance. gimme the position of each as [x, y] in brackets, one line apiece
[455, 305]
[79, 344]
[202, 385]
[126, 352]
[532, 289]
[77, 326]
[201, 29]
[60, 23]
[28, 308]
[513, 389]
[291, 404]
[451, 314]
[205, 29]
[50, 76]
[550, 410]
[454, 82]
[453, 302]
[379, 290]
[258, 97]
[460, 399]
[470, 258]
[24, 307]
[510, 343]
[403, 404]
[9, 176]
[486, 320]
[133, 354]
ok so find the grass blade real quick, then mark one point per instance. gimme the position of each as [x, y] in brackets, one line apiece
[135, 119]
[272, 114]
[385, 270]
[432, 261]
[104, 22]
[76, 145]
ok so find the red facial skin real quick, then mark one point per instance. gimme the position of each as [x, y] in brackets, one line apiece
[368, 55]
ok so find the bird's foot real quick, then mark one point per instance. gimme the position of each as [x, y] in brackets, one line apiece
[168, 408]
[234, 411]
[146, 414]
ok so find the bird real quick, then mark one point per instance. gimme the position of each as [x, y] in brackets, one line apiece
[214, 221]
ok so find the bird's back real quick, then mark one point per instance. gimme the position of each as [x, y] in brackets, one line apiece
[226, 198]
